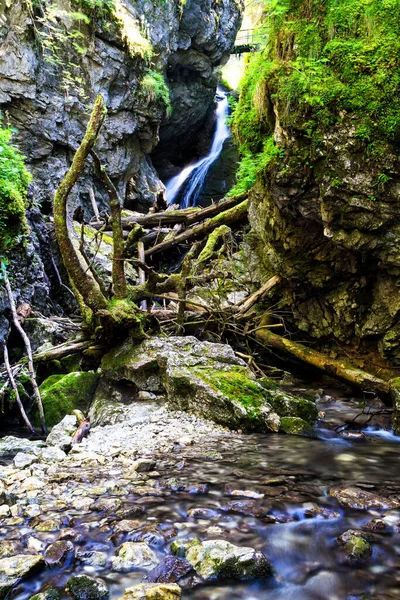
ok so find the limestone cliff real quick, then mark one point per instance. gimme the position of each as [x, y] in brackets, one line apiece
[56, 57]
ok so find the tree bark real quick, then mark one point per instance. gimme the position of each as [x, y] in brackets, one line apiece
[118, 270]
[28, 347]
[84, 285]
[335, 368]
[228, 217]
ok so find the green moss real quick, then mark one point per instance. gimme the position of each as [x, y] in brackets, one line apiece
[61, 394]
[155, 89]
[14, 181]
[358, 549]
[235, 385]
[71, 363]
[295, 426]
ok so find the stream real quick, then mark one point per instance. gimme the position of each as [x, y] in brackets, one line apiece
[294, 521]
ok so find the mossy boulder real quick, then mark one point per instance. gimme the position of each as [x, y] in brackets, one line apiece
[61, 394]
[219, 559]
[47, 595]
[83, 587]
[395, 394]
[206, 379]
[295, 426]
[356, 545]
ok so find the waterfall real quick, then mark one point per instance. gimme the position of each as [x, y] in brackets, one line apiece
[186, 186]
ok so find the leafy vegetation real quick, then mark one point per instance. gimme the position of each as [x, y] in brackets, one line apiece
[14, 181]
[153, 84]
[321, 61]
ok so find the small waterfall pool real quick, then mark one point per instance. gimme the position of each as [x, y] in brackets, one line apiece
[185, 187]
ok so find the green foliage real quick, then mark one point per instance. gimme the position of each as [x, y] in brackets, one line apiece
[253, 164]
[14, 181]
[320, 61]
[153, 85]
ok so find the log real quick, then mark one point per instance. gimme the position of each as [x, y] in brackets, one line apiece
[228, 217]
[244, 305]
[187, 216]
[334, 368]
[142, 272]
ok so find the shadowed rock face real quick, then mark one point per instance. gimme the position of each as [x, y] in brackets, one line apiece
[189, 41]
[332, 232]
[188, 45]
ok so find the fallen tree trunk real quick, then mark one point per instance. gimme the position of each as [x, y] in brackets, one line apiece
[244, 305]
[228, 217]
[335, 368]
[187, 216]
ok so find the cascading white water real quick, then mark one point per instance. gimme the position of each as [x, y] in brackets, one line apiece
[187, 185]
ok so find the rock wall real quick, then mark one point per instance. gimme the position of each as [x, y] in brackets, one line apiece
[332, 233]
[189, 40]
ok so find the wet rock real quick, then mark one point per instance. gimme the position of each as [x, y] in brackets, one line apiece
[4, 510]
[143, 465]
[150, 591]
[295, 426]
[202, 513]
[9, 548]
[16, 568]
[59, 553]
[169, 570]
[11, 445]
[61, 434]
[243, 493]
[134, 554]
[319, 511]
[377, 525]
[83, 587]
[245, 507]
[355, 497]
[92, 558]
[219, 559]
[355, 545]
[47, 595]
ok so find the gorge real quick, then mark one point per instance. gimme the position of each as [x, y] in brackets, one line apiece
[210, 367]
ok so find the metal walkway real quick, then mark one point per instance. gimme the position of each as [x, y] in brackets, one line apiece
[248, 40]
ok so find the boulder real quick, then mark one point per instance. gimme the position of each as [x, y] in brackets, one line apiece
[22, 460]
[219, 559]
[83, 587]
[59, 553]
[61, 394]
[153, 591]
[16, 568]
[47, 595]
[355, 497]
[132, 555]
[206, 379]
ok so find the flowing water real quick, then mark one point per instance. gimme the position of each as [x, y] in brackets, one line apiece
[186, 186]
[294, 475]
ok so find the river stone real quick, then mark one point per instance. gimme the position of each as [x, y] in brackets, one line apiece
[201, 377]
[355, 545]
[355, 497]
[11, 445]
[83, 587]
[219, 559]
[16, 568]
[61, 434]
[59, 552]
[22, 460]
[150, 591]
[52, 454]
[47, 595]
[134, 554]
[169, 570]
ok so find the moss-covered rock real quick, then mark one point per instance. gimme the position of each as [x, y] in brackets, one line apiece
[219, 559]
[295, 426]
[356, 545]
[61, 394]
[83, 587]
[395, 394]
[207, 379]
[47, 595]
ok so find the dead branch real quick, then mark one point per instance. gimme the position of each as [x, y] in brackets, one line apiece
[15, 388]
[27, 344]
[244, 305]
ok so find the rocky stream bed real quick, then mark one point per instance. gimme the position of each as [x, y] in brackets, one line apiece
[195, 511]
